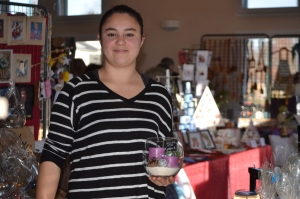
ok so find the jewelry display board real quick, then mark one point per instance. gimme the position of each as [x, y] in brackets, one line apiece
[239, 72]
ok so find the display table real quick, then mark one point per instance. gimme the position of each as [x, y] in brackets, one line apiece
[220, 178]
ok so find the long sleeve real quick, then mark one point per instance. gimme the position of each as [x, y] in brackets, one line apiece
[61, 131]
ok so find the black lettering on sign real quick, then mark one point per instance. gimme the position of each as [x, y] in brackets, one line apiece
[171, 145]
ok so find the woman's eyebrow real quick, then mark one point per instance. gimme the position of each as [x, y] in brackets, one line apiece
[114, 29]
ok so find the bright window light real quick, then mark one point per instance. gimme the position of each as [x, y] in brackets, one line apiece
[35, 2]
[84, 7]
[254, 4]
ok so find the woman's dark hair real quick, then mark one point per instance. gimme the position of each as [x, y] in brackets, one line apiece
[77, 67]
[122, 9]
[167, 61]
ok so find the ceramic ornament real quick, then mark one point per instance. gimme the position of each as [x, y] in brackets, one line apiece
[207, 114]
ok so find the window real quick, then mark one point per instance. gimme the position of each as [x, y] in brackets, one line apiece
[79, 7]
[35, 2]
[267, 7]
[254, 4]
[89, 51]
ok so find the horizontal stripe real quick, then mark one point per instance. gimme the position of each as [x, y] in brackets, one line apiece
[108, 188]
[107, 143]
[117, 120]
[89, 92]
[61, 104]
[107, 166]
[114, 131]
[106, 154]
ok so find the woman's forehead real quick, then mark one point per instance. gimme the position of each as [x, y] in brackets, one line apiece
[121, 19]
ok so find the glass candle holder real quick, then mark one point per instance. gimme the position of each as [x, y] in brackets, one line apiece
[163, 156]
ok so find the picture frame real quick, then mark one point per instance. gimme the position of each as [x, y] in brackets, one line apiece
[36, 27]
[27, 93]
[16, 30]
[21, 68]
[207, 139]
[195, 141]
[6, 59]
[3, 28]
[179, 135]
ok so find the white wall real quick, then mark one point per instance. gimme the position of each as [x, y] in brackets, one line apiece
[196, 17]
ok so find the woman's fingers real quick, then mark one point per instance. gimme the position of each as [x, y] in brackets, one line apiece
[161, 181]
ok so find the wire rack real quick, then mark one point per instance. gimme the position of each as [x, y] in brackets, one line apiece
[239, 72]
[282, 49]
[39, 55]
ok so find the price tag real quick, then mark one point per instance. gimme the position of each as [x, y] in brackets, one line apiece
[171, 145]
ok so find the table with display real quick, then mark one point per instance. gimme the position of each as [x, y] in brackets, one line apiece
[221, 177]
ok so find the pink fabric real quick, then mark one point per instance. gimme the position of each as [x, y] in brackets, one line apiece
[209, 178]
[220, 178]
[48, 88]
[239, 163]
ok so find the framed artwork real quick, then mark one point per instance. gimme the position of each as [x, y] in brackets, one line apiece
[36, 27]
[5, 65]
[207, 139]
[195, 141]
[21, 69]
[16, 34]
[3, 28]
[180, 137]
[27, 94]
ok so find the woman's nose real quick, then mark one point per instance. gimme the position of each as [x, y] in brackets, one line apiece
[120, 40]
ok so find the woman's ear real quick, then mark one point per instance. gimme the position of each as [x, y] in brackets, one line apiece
[98, 37]
[143, 39]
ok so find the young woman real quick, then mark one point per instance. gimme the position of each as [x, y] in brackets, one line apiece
[102, 119]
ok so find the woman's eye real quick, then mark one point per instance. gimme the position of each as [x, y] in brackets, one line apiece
[129, 35]
[111, 34]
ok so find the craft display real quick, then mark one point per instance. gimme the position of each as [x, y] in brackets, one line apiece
[18, 170]
[228, 138]
[251, 136]
[163, 156]
[207, 114]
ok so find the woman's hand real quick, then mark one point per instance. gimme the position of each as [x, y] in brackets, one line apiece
[162, 181]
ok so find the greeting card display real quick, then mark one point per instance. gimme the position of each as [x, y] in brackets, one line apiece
[203, 57]
[163, 156]
[188, 72]
[201, 73]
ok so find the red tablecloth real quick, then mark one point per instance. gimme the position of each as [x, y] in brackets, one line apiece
[220, 178]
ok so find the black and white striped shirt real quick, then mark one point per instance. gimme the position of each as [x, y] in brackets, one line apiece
[105, 134]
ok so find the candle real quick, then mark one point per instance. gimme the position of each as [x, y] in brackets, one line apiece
[156, 153]
[172, 161]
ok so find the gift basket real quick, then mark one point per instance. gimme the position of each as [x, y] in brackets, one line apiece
[18, 167]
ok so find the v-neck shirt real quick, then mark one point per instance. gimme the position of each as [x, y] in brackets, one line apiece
[105, 134]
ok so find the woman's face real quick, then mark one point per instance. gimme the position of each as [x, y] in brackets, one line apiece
[121, 40]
